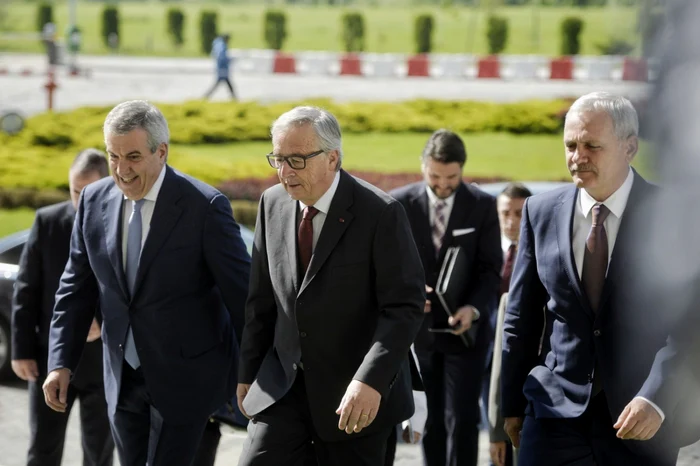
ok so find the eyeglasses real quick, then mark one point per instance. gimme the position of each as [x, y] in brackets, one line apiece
[297, 162]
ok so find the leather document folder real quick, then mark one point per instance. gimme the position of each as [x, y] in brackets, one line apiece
[451, 285]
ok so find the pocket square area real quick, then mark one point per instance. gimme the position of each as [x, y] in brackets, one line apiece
[463, 231]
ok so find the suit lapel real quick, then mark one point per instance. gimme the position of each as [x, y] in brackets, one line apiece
[421, 214]
[564, 215]
[461, 210]
[288, 220]
[165, 216]
[112, 217]
[621, 249]
[337, 221]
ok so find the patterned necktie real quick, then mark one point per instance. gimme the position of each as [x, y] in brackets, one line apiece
[306, 237]
[133, 252]
[595, 258]
[439, 225]
[507, 271]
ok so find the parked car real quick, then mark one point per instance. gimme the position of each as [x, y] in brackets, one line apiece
[10, 251]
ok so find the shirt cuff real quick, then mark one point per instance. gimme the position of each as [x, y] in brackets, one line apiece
[653, 405]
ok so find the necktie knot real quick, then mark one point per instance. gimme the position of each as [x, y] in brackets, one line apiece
[310, 212]
[511, 251]
[138, 204]
[600, 213]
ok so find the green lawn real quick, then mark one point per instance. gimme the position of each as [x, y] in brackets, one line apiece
[388, 29]
[533, 157]
[15, 220]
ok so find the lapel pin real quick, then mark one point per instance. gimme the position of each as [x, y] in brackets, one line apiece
[342, 220]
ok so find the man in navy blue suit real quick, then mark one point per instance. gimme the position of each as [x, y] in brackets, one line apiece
[594, 388]
[163, 256]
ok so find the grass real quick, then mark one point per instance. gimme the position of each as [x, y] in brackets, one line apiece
[458, 29]
[525, 157]
[15, 220]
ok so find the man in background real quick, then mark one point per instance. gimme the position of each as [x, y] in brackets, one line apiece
[510, 209]
[41, 266]
[444, 211]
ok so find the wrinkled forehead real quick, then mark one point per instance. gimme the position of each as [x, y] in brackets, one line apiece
[588, 125]
[295, 140]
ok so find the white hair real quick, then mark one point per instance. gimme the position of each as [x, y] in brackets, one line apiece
[323, 122]
[138, 114]
[621, 111]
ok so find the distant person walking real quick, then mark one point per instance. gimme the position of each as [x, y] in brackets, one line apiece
[219, 51]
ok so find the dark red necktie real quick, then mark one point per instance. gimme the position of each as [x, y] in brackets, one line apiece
[306, 237]
[595, 258]
[507, 271]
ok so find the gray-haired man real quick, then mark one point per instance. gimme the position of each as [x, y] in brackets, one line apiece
[336, 299]
[164, 257]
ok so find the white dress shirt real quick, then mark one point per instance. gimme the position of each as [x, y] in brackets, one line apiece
[447, 210]
[583, 220]
[146, 214]
[323, 205]
[506, 244]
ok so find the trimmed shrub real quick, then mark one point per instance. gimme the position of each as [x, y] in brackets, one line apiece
[275, 29]
[571, 36]
[44, 14]
[207, 30]
[424, 33]
[110, 24]
[497, 34]
[176, 26]
[353, 32]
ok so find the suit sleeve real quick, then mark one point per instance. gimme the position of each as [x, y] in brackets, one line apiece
[523, 324]
[489, 261]
[26, 301]
[260, 310]
[76, 300]
[400, 291]
[227, 259]
[495, 413]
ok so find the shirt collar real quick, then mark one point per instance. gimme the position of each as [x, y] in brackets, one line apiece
[152, 195]
[434, 199]
[324, 202]
[505, 242]
[616, 203]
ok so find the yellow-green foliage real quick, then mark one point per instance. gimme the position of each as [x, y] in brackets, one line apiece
[40, 155]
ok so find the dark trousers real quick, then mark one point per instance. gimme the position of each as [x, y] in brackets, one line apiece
[140, 433]
[452, 387]
[226, 81]
[48, 427]
[587, 440]
[283, 434]
[391, 448]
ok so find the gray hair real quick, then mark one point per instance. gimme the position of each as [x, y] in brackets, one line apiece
[138, 114]
[89, 161]
[621, 111]
[323, 122]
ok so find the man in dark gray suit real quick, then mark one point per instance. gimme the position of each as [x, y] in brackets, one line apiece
[43, 259]
[336, 299]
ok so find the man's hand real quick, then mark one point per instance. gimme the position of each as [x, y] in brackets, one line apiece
[638, 421]
[427, 307]
[498, 453]
[358, 408]
[26, 369]
[56, 389]
[513, 426]
[464, 317]
[95, 331]
[406, 436]
[241, 392]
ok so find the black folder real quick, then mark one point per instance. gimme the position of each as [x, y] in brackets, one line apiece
[451, 286]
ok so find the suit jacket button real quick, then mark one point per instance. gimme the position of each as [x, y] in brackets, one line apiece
[596, 332]
[294, 366]
[302, 334]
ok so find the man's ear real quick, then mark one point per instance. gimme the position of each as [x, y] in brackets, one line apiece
[631, 148]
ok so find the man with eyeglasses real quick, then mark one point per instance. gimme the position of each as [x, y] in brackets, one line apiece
[336, 298]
